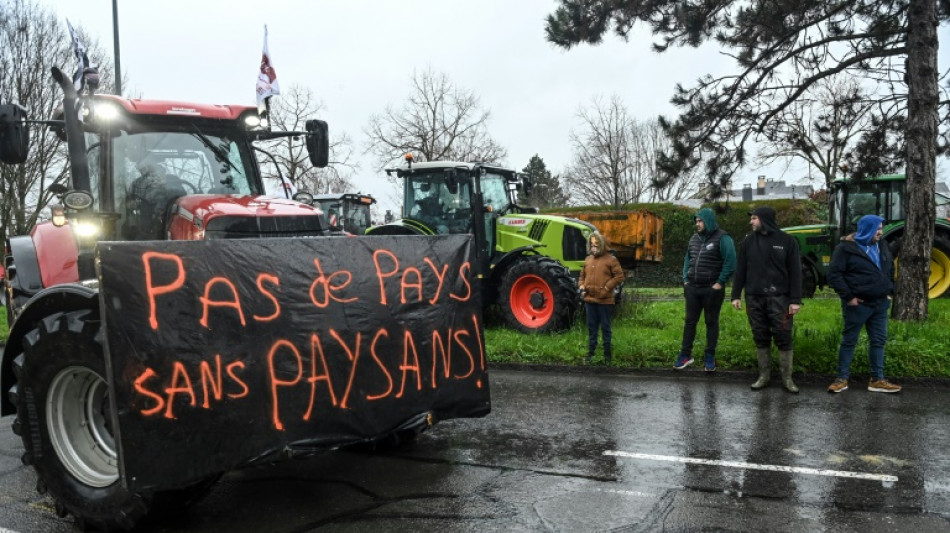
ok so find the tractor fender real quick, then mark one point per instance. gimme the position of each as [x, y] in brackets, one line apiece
[500, 263]
[23, 266]
[61, 298]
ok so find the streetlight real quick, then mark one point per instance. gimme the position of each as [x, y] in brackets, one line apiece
[115, 45]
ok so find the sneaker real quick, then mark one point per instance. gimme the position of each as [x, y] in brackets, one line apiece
[710, 365]
[883, 385]
[683, 362]
[840, 385]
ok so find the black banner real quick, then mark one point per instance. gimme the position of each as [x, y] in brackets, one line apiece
[223, 351]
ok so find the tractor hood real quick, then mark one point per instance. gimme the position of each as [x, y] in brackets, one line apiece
[807, 230]
[205, 216]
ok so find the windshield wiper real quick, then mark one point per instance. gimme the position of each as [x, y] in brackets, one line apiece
[219, 152]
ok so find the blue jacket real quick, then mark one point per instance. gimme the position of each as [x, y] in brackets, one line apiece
[852, 274]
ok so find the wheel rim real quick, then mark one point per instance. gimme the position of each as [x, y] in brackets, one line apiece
[532, 301]
[78, 421]
[939, 273]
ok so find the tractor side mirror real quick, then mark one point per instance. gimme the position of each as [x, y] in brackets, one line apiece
[526, 187]
[14, 134]
[318, 143]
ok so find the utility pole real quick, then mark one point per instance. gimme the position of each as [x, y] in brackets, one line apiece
[115, 46]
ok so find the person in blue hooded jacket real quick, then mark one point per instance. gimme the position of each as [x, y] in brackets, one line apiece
[862, 273]
[709, 263]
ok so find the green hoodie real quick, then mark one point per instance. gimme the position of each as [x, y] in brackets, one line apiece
[727, 247]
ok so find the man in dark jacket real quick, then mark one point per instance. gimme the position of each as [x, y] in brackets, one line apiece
[709, 263]
[770, 271]
[862, 273]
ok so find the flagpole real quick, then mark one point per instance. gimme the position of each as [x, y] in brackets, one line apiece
[115, 45]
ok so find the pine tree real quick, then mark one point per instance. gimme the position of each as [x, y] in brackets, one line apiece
[546, 188]
[782, 49]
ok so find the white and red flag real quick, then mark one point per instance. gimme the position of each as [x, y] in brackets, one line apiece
[267, 85]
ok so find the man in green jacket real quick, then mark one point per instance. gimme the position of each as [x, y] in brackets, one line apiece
[709, 263]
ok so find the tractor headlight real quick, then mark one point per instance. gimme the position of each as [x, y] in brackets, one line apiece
[85, 228]
[254, 122]
[105, 111]
[59, 215]
[78, 200]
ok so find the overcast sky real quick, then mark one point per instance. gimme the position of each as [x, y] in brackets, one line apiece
[358, 56]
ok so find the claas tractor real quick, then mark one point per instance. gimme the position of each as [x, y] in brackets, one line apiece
[347, 212]
[170, 322]
[528, 263]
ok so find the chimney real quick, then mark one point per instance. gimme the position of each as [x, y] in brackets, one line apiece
[747, 192]
[761, 186]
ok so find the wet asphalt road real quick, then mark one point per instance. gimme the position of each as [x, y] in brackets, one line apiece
[597, 452]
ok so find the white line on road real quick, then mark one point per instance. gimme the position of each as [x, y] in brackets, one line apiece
[753, 466]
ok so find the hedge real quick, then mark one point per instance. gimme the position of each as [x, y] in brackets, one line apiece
[679, 225]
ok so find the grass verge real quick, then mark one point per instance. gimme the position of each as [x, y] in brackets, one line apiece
[647, 334]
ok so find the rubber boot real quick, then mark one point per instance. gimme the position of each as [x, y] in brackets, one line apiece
[785, 362]
[765, 368]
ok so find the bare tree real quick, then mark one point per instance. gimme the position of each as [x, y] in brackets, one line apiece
[821, 128]
[438, 121]
[615, 158]
[290, 112]
[32, 40]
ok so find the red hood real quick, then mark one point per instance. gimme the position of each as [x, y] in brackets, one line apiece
[207, 206]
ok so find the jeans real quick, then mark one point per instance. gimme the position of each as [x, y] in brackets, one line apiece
[708, 302]
[598, 318]
[873, 317]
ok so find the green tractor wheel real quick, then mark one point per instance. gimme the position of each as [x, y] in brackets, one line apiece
[538, 295]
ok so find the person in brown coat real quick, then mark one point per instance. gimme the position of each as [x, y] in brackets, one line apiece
[599, 277]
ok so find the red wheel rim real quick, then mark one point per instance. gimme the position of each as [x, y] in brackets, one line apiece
[523, 291]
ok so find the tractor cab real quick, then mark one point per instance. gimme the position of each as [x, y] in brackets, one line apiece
[347, 212]
[851, 200]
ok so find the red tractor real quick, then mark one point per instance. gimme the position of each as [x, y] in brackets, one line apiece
[162, 333]
[140, 170]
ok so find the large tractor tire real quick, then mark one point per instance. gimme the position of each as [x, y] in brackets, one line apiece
[939, 282]
[809, 280]
[64, 419]
[939, 267]
[538, 295]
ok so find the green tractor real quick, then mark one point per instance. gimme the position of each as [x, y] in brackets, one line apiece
[848, 202]
[527, 263]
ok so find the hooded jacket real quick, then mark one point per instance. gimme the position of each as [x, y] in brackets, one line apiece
[853, 273]
[769, 263]
[710, 255]
[601, 274]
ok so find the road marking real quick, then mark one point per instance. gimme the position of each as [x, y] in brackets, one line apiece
[754, 466]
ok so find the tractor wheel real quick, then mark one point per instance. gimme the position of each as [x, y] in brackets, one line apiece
[64, 419]
[809, 281]
[939, 267]
[538, 295]
[939, 281]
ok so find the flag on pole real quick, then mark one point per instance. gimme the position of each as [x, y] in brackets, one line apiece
[267, 77]
[81, 57]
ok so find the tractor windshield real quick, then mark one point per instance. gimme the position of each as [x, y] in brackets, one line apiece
[146, 171]
[856, 199]
[442, 202]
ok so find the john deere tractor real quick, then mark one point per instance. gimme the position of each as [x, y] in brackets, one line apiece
[848, 202]
[527, 263]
